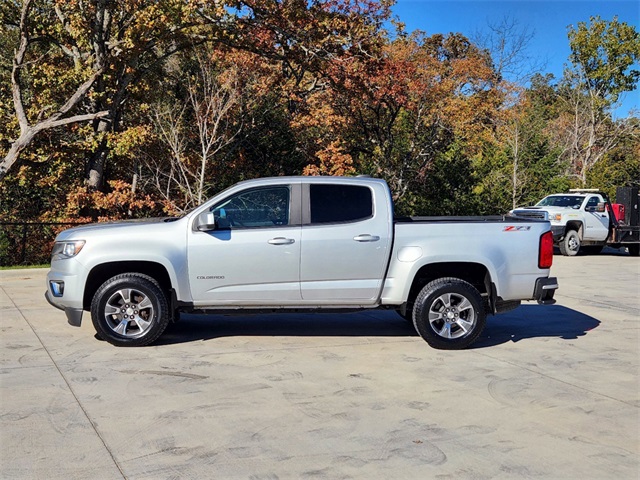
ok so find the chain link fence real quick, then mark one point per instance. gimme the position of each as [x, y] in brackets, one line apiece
[29, 243]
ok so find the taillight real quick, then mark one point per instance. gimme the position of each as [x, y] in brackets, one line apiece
[545, 255]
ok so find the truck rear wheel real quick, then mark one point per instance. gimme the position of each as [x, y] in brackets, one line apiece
[570, 244]
[449, 314]
[634, 249]
[130, 310]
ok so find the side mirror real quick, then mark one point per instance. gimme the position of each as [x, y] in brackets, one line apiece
[206, 222]
[600, 208]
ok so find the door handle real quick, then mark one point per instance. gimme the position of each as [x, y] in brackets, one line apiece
[281, 241]
[365, 237]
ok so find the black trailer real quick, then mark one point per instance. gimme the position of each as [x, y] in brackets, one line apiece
[625, 232]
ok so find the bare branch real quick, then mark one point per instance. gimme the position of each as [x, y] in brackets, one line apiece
[78, 95]
[51, 123]
[18, 60]
[507, 41]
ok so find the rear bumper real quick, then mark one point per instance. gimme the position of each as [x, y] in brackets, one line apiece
[545, 289]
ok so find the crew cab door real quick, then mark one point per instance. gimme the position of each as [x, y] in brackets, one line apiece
[345, 243]
[597, 223]
[252, 256]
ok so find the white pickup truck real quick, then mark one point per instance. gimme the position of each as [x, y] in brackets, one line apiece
[301, 244]
[584, 220]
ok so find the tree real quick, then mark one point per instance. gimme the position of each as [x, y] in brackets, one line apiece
[620, 167]
[516, 137]
[602, 60]
[519, 164]
[604, 55]
[404, 108]
[508, 43]
[212, 95]
[62, 115]
[116, 46]
[112, 44]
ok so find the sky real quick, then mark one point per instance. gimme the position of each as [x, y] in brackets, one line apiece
[548, 20]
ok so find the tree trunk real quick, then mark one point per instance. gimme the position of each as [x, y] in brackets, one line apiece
[97, 161]
[95, 168]
[14, 152]
[516, 158]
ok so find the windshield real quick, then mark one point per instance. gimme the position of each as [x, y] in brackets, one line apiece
[569, 201]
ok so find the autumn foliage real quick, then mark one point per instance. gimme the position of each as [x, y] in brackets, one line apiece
[132, 108]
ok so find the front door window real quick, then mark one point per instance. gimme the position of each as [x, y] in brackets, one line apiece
[257, 208]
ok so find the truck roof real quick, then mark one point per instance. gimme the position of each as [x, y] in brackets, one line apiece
[313, 179]
[574, 194]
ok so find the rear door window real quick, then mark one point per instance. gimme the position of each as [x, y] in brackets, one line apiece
[340, 203]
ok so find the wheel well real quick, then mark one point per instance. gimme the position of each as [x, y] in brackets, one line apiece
[104, 272]
[574, 225]
[474, 273]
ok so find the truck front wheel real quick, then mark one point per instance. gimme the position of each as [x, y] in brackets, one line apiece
[570, 244]
[449, 314]
[130, 310]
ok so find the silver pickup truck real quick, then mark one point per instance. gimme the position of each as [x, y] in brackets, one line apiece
[301, 244]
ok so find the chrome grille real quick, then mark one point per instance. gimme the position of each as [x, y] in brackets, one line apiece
[537, 214]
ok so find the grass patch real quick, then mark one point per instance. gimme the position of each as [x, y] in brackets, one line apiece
[23, 267]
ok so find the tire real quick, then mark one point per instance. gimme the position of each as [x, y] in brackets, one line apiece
[634, 249]
[449, 314]
[130, 310]
[570, 244]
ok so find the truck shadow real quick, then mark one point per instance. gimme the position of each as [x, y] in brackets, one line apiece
[535, 321]
[359, 324]
[606, 251]
[528, 321]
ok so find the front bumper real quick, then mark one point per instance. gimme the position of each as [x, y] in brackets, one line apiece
[74, 315]
[545, 289]
[558, 232]
[65, 288]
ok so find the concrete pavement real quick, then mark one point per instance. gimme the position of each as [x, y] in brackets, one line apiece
[547, 392]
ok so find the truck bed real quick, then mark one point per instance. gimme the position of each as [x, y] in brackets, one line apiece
[466, 219]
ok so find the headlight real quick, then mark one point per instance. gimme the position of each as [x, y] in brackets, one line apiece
[557, 217]
[67, 249]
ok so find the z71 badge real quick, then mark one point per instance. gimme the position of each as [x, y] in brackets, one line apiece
[513, 228]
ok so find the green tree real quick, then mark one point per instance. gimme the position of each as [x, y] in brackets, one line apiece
[604, 55]
[602, 68]
[519, 164]
[620, 167]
